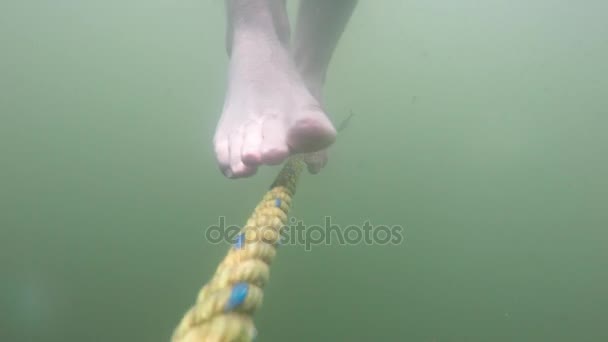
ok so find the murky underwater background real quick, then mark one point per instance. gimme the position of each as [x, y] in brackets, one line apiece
[480, 127]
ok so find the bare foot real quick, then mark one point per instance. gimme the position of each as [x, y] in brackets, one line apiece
[268, 113]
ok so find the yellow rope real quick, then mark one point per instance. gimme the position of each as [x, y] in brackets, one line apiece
[225, 305]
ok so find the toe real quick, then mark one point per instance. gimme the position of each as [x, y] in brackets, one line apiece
[315, 161]
[222, 152]
[252, 142]
[240, 171]
[274, 147]
[311, 131]
[237, 168]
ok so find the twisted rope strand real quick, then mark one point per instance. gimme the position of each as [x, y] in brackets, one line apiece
[225, 305]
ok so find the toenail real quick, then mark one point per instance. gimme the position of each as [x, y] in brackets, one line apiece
[228, 173]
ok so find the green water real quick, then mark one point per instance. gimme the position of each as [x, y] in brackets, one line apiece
[479, 128]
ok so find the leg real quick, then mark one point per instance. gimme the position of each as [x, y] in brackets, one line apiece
[319, 28]
[278, 12]
[268, 112]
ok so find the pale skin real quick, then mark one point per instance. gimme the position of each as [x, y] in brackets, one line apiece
[273, 106]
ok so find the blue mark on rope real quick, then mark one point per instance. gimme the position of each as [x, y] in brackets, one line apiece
[281, 241]
[237, 296]
[277, 202]
[240, 241]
